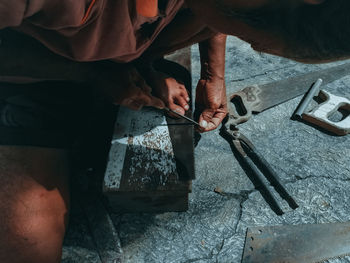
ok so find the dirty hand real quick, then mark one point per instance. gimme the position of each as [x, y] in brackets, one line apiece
[170, 91]
[211, 102]
[126, 87]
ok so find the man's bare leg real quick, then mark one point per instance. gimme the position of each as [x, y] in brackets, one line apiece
[34, 205]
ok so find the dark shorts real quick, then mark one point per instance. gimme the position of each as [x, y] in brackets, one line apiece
[58, 114]
[46, 114]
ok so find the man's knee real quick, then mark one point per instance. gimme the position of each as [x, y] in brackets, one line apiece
[34, 204]
[31, 236]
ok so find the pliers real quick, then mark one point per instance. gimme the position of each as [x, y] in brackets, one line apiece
[257, 167]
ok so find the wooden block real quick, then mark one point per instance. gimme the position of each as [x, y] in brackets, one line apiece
[151, 160]
[143, 170]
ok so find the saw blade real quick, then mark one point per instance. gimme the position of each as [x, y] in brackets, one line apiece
[274, 93]
[333, 258]
[297, 243]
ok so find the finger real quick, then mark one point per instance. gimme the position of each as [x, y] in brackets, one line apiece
[179, 100]
[215, 121]
[205, 118]
[176, 108]
[185, 95]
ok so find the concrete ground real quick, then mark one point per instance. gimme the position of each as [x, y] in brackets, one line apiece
[314, 166]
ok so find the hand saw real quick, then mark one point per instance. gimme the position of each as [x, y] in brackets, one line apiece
[312, 243]
[257, 98]
[254, 99]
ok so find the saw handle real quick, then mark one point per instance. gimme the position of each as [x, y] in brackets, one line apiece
[320, 115]
[241, 105]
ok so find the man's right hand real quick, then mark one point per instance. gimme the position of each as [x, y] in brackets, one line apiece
[125, 86]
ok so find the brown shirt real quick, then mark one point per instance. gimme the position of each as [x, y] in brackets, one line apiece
[88, 30]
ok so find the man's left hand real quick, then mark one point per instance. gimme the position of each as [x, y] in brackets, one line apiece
[211, 101]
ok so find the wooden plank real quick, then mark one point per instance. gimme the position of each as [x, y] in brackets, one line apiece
[141, 145]
[142, 173]
[150, 162]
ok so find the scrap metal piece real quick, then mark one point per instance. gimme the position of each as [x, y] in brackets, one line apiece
[320, 114]
[297, 243]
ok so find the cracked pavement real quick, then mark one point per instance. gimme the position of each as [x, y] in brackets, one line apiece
[314, 166]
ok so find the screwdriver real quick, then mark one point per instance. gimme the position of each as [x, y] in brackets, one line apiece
[181, 116]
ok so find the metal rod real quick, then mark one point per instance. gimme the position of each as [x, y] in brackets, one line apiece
[252, 169]
[261, 185]
[268, 171]
[182, 116]
[315, 88]
[273, 178]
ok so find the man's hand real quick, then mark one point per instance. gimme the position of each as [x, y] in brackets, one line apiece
[211, 90]
[170, 91]
[211, 101]
[125, 86]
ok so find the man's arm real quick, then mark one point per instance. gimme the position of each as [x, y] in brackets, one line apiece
[211, 90]
[212, 55]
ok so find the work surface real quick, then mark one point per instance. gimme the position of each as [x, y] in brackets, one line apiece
[314, 166]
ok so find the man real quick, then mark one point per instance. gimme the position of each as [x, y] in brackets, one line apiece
[70, 42]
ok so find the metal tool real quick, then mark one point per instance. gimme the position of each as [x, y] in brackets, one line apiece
[320, 115]
[254, 99]
[258, 168]
[315, 89]
[297, 243]
[181, 116]
[257, 98]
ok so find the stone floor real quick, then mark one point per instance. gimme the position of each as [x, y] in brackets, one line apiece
[314, 166]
